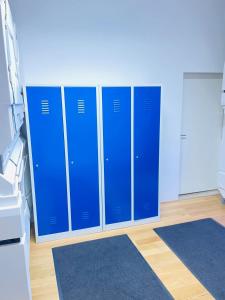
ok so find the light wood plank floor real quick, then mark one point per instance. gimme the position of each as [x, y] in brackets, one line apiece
[176, 277]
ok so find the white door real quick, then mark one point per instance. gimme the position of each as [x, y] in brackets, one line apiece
[201, 132]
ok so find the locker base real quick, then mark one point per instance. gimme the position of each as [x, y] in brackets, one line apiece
[82, 232]
[67, 234]
[130, 223]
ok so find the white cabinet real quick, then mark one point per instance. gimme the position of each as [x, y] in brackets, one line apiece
[11, 100]
[14, 262]
[14, 230]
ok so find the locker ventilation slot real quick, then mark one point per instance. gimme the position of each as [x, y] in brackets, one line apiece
[116, 106]
[45, 107]
[81, 106]
[85, 215]
[117, 211]
[147, 104]
[53, 220]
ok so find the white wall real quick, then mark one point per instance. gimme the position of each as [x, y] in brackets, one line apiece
[125, 41]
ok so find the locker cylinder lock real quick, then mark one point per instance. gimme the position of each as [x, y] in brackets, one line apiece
[37, 165]
[72, 162]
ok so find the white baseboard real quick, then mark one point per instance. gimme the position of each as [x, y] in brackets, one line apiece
[199, 194]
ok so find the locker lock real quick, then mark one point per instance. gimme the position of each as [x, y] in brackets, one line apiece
[107, 159]
[37, 165]
[72, 162]
[137, 156]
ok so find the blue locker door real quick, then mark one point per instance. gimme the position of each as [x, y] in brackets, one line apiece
[81, 119]
[116, 103]
[146, 151]
[47, 141]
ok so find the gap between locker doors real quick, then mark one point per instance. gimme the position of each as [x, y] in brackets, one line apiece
[101, 166]
[132, 221]
[102, 226]
[99, 112]
[102, 155]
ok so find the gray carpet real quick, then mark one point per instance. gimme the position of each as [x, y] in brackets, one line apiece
[105, 269]
[201, 247]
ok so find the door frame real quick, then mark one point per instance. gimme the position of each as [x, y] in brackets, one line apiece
[193, 75]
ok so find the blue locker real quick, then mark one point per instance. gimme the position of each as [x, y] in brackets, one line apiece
[116, 102]
[146, 151]
[81, 120]
[47, 141]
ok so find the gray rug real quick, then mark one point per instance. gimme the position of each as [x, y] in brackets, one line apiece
[105, 269]
[201, 247]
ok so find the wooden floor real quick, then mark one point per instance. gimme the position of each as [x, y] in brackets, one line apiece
[176, 277]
